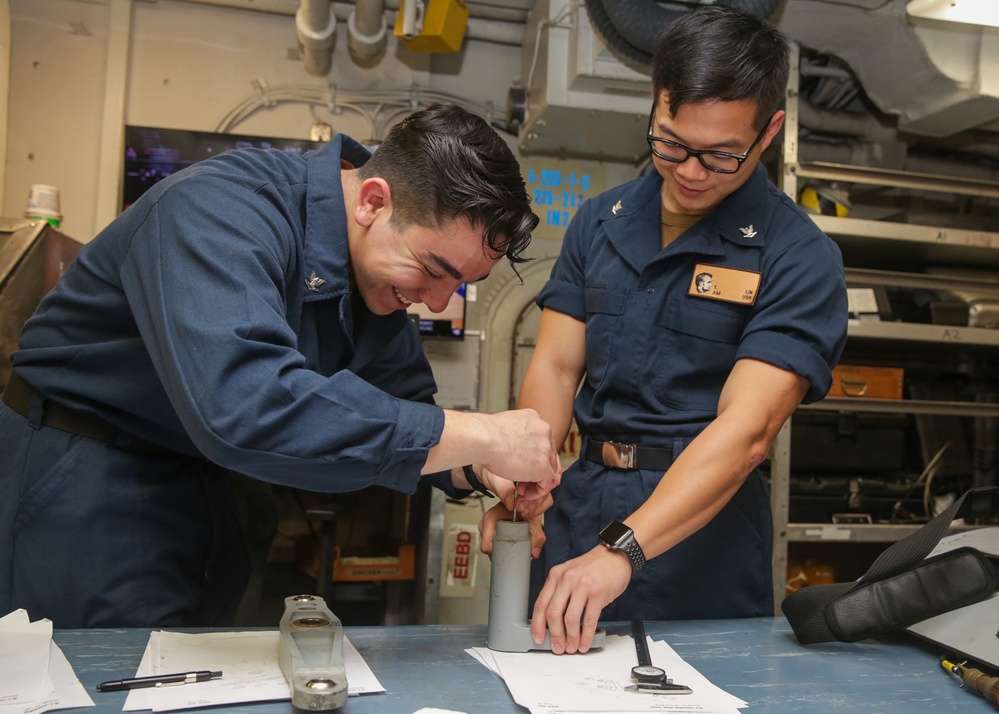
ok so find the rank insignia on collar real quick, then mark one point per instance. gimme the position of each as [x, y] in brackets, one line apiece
[314, 282]
[616, 207]
[748, 231]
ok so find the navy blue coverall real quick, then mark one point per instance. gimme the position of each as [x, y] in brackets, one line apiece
[215, 319]
[656, 360]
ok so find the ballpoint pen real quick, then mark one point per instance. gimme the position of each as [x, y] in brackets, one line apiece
[159, 680]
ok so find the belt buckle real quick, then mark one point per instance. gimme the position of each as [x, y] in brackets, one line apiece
[617, 455]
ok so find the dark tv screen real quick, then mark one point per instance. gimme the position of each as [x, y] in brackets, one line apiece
[152, 154]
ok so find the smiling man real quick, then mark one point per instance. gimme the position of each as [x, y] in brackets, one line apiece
[689, 313]
[248, 313]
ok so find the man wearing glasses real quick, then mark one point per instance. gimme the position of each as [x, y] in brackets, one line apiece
[681, 391]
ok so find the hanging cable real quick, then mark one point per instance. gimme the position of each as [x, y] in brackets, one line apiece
[379, 108]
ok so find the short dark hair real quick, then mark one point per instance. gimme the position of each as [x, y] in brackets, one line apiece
[444, 163]
[725, 54]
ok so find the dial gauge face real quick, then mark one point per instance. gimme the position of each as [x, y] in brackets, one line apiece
[648, 673]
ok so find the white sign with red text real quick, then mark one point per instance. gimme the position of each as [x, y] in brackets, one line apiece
[461, 552]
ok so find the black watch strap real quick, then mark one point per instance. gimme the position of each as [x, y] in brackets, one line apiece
[474, 482]
[618, 536]
[634, 552]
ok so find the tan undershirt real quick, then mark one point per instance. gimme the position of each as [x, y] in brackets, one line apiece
[673, 224]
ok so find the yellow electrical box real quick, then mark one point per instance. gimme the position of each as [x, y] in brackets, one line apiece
[443, 26]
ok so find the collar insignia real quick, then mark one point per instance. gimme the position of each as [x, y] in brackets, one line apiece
[748, 231]
[617, 207]
[314, 282]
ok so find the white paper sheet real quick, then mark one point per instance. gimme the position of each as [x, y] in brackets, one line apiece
[35, 675]
[595, 681]
[250, 670]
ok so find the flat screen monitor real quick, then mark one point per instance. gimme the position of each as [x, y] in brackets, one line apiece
[152, 154]
[448, 324]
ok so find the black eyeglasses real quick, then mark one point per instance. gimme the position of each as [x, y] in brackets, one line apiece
[720, 162]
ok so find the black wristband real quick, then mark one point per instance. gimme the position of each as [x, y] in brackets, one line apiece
[474, 482]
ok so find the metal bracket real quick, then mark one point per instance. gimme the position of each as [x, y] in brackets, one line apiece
[311, 654]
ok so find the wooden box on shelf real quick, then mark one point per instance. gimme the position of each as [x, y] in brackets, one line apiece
[860, 381]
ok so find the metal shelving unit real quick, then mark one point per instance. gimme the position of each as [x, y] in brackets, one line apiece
[942, 334]
[920, 244]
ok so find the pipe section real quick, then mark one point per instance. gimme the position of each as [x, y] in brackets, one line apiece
[509, 589]
[315, 25]
[366, 29]
[409, 28]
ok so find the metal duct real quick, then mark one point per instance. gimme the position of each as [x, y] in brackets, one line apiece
[895, 158]
[936, 78]
[865, 126]
[633, 27]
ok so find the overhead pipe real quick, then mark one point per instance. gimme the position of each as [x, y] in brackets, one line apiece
[315, 25]
[367, 29]
[288, 7]
[503, 26]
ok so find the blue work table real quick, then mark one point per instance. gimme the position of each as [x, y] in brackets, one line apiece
[757, 660]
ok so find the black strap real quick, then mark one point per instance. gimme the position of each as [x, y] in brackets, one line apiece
[474, 482]
[18, 395]
[808, 610]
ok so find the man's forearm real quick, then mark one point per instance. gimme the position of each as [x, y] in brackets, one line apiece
[756, 400]
[551, 398]
[695, 488]
[464, 440]
[555, 372]
[515, 445]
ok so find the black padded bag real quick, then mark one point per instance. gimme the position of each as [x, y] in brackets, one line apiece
[902, 587]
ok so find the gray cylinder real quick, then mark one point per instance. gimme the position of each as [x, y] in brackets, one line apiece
[509, 588]
[509, 591]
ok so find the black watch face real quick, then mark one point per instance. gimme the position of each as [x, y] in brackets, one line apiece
[648, 673]
[614, 533]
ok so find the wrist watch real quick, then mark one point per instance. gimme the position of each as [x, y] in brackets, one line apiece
[618, 536]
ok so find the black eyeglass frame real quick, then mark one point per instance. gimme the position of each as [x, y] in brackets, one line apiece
[741, 158]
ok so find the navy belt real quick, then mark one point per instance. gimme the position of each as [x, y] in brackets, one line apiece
[628, 456]
[17, 395]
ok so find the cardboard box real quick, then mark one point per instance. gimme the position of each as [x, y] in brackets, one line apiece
[859, 381]
[393, 567]
[401, 566]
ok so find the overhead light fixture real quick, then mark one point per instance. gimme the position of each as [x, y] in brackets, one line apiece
[971, 12]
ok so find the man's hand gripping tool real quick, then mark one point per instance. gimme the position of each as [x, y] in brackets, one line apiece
[311, 654]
